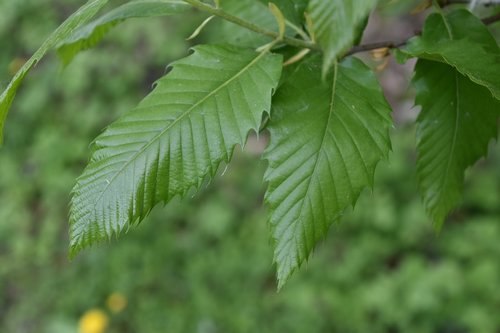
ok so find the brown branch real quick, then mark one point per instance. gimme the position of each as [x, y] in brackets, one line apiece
[395, 44]
[491, 19]
[374, 46]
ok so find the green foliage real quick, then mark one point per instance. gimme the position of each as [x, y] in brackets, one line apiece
[257, 12]
[81, 16]
[92, 33]
[252, 10]
[328, 118]
[292, 9]
[340, 132]
[452, 134]
[173, 140]
[461, 40]
[336, 25]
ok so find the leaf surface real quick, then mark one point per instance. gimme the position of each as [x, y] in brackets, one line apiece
[337, 24]
[292, 9]
[461, 40]
[458, 120]
[92, 33]
[257, 12]
[81, 16]
[326, 140]
[175, 138]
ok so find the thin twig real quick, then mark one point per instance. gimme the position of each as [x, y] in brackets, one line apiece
[308, 44]
[395, 44]
[374, 46]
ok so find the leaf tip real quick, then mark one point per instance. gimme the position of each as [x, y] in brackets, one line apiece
[438, 222]
[73, 251]
[283, 274]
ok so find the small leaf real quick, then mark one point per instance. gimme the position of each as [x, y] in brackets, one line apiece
[461, 40]
[337, 23]
[175, 138]
[91, 34]
[326, 140]
[81, 16]
[458, 120]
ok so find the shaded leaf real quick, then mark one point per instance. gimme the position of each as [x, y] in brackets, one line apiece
[458, 120]
[257, 12]
[337, 24]
[81, 16]
[92, 33]
[292, 9]
[461, 40]
[326, 140]
[175, 138]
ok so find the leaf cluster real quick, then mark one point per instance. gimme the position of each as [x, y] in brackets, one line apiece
[289, 71]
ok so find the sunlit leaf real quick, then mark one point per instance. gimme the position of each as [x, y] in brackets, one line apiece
[175, 138]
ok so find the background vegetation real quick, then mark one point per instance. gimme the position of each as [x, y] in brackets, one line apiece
[203, 265]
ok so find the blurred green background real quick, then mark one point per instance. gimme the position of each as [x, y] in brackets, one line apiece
[205, 264]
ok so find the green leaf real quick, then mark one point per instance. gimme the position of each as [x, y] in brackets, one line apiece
[91, 34]
[461, 40]
[458, 120]
[336, 25]
[292, 9]
[81, 16]
[397, 7]
[255, 11]
[326, 140]
[175, 138]
[360, 30]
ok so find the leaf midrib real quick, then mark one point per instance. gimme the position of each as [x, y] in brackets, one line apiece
[330, 114]
[181, 117]
[457, 112]
[455, 133]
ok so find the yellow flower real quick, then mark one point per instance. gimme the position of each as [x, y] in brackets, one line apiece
[116, 302]
[93, 321]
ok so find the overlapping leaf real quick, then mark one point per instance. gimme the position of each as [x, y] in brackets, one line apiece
[90, 34]
[175, 138]
[326, 140]
[292, 9]
[257, 12]
[81, 16]
[461, 40]
[337, 23]
[458, 120]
